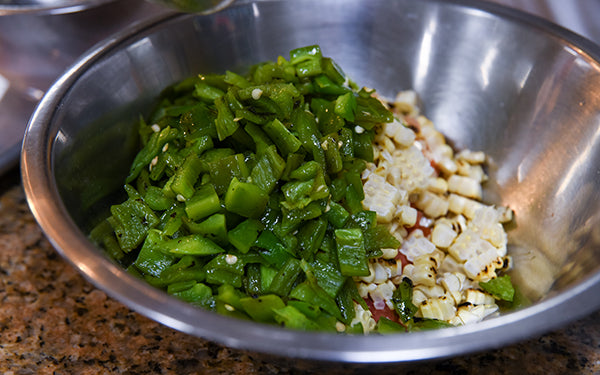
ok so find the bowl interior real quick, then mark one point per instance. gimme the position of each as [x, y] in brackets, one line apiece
[524, 91]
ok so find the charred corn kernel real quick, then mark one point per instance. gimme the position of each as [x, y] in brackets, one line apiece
[480, 257]
[468, 314]
[389, 253]
[381, 197]
[464, 186]
[450, 264]
[407, 215]
[453, 283]
[475, 172]
[419, 297]
[471, 157]
[458, 223]
[406, 102]
[477, 297]
[434, 291]
[382, 295]
[381, 275]
[363, 289]
[463, 206]
[437, 308]
[425, 268]
[402, 135]
[410, 170]
[432, 205]
[407, 270]
[505, 214]
[370, 277]
[415, 247]
[364, 317]
[438, 185]
[443, 235]
[392, 267]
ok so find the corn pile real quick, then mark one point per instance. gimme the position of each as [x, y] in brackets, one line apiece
[430, 198]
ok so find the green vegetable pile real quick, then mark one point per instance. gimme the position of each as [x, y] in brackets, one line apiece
[245, 197]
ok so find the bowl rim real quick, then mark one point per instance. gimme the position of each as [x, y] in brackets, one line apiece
[44, 7]
[52, 216]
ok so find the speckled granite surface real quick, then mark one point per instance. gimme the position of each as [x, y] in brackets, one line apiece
[54, 322]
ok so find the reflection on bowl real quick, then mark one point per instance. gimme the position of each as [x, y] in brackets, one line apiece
[528, 94]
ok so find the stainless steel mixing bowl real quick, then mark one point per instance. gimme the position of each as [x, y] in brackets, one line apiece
[523, 90]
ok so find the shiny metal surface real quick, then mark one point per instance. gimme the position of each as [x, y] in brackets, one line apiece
[37, 46]
[47, 6]
[523, 90]
[196, 6]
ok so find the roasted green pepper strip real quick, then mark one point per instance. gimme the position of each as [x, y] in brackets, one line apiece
[155, 145]
[402, 300]
[205, 202]
[245, 199]
[245, 234]
[351, 253]
[262, 309]
[131, 220]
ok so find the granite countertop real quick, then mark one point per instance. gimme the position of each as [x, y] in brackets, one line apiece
[52, 321]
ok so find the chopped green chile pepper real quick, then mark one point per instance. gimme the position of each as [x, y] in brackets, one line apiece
[197, 294]
[499, 287]
[273, 251]
[151, 149]
[213, 228]
[131, 220]
[205, 202]
[245, 197]
[286, 142]
[313, 294]
[337, 215]
[171, 220]
[156, 200]
[194, 244]
[225, 269]
[328, 276]
[245, 234]
[103, 235]
[236, 80]
[268, 169]
[150, 259]
[291, 317]
[186, 176]
[352, 256]
[187, 269]
[427, 324]
[310, 236]
[207, 92]
[402, 300]
[333, 157]
[346, 106]
[222, 171]
[224, 122]
[262, 308]
[370, 111]
[387, 326]
[346, 298]
[283, 281]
